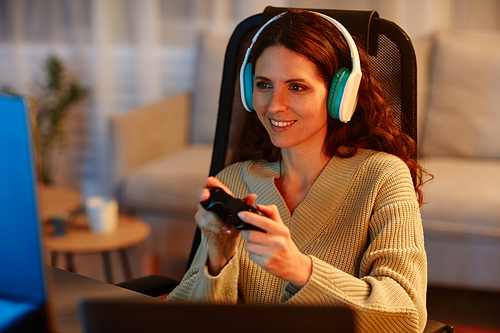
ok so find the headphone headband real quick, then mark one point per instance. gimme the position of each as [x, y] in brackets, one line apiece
[343, 92]
[353, 49]
[246, 82]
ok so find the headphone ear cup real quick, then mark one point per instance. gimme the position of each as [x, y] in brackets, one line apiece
[247, 86]
[337, 91]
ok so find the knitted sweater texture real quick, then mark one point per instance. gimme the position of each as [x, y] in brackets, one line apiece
[360, 224]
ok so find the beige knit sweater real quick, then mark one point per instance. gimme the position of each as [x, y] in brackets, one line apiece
[360, 224]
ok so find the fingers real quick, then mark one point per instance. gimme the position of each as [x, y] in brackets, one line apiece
[209, 222]
[214, 182]
[274, 251]
[203, 194]
[271, 223]
[255, 236]
[271, 211]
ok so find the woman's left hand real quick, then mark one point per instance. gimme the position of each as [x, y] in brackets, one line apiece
[274, 250]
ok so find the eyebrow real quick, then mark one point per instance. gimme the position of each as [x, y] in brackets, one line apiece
[260, 77]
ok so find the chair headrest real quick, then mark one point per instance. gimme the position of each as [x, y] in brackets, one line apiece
[359, 23]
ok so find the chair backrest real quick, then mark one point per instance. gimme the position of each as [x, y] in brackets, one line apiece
[392, 58]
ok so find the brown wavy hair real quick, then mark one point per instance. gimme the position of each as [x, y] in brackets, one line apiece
[372, 125]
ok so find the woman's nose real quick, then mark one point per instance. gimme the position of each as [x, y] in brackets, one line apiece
[278, 101]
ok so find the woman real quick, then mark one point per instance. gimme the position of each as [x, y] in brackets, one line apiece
[342, 199]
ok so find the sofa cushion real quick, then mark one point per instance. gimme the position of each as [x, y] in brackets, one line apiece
[147, 133]
[423, 48]
[170, 183]
[464, 103]
[463, 199]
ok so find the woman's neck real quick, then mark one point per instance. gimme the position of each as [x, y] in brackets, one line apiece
[298, 172]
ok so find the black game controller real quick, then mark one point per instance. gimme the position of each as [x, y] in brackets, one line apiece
[227, 208]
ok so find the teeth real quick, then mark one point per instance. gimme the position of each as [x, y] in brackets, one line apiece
[281, 123]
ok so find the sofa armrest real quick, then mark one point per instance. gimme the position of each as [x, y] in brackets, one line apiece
[147, 133]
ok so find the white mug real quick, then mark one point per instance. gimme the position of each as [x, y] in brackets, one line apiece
[102, 214]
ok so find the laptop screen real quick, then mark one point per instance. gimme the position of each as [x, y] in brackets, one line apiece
[22, 280]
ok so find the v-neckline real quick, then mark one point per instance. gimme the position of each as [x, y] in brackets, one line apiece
[321, 201]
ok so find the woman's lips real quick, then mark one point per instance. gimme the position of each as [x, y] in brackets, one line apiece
[281, 124]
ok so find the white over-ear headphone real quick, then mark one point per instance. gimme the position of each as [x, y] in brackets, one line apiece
[343, 93]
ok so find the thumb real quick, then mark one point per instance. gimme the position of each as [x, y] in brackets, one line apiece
[214, 182]
[250, 199]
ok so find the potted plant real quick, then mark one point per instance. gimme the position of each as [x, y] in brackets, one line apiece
[53, 99]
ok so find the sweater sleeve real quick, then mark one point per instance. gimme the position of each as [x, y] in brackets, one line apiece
[389, 293]
[198, 285]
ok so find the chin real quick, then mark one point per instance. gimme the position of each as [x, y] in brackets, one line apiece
[280, 144]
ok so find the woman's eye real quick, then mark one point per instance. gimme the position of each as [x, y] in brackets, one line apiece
[296, 87]
[262, 85]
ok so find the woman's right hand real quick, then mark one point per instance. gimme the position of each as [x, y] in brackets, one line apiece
[222, 238]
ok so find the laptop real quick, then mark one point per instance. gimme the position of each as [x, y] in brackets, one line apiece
[23, 292]
[111, 315]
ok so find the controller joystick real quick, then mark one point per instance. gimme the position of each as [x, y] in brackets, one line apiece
[228, 207]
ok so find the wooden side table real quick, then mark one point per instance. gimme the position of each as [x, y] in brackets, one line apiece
[57, 199]
[80, 239]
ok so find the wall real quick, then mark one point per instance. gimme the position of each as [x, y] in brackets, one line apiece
[130, 52]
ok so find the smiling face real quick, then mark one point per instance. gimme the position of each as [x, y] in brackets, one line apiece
[290, 99]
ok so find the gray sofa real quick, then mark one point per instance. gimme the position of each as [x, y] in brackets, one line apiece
[459, 125]
[157, 173]
[160, 158]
